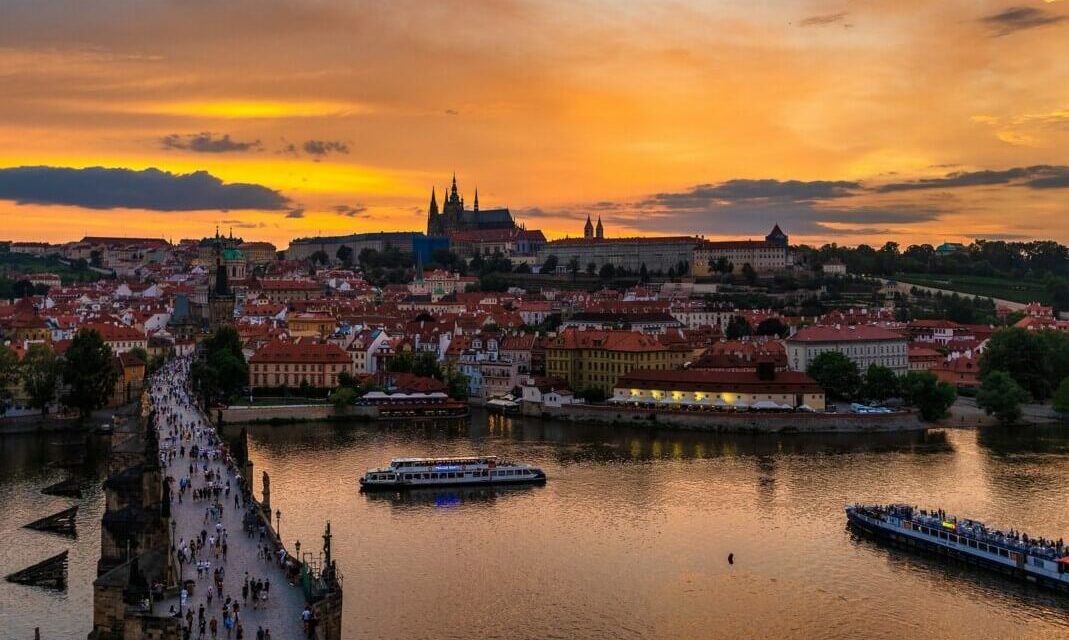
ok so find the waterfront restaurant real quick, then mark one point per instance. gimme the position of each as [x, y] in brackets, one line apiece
[714, 390]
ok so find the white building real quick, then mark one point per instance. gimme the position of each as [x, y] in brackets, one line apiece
[863, 344]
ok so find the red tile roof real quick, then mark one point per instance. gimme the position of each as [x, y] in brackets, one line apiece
[863, 332]
[630, 341]
[289, 352]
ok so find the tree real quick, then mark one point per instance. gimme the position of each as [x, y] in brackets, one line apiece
[155, 363]
[23, 289]
[592, 394]
[932, 397]
[319, 257]
[344, 255]
[223, 370]
[1001, 396]
[1021, 354]
[573, 267]
[837, 374]
[89, 372]
[749, 274]
[737, 328]
[40, 371]
[456, 383]
[643, 274]
[550, 265]
[771, 327]
[523, 267]
[8, 375]
[608, 272]
[401, 362]
[343, 397]
[880, 383]
[1061, 397]
[591, 268]
[426, 365]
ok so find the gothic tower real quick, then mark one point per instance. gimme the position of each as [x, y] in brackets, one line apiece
[588, 228]
[600, 233]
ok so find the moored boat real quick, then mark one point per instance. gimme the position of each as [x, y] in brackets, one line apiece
[438, 472]
[1038, 560]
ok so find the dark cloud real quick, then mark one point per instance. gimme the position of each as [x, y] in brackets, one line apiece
[295, 213]
[107, 188]
[755, 190]
[451, 112]
[350, 211]
[206, 142]
[829, 18]
[1014, 19]
[324, 147]
[1036, 177]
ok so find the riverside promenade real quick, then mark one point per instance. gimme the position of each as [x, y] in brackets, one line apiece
[207, 518]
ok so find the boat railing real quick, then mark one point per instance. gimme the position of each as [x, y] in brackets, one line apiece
[1012, 540]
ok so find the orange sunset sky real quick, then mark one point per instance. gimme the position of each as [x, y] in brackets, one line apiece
[844, 121]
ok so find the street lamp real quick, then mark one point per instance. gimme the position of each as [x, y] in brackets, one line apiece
[297, 547]
[278, 523]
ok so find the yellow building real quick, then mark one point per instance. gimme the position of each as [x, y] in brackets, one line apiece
[597, 359]
[311, 324]
[290, 364]
[710, 389]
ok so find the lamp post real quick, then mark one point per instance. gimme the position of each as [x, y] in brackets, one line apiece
[297, 548]
[278, 523]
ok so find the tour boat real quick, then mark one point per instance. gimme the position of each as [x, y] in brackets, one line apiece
[437, 472]
[1037, 560]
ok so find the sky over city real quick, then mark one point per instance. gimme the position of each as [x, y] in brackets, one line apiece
[848, 122]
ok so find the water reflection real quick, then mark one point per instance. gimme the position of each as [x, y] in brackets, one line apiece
[30, 462]
[447, 496]
[629, 536]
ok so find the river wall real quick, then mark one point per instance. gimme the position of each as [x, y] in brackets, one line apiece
[292, 413]
[796, 422]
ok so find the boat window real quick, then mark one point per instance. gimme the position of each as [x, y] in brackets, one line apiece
[408, 476]
[1004, 553]
[434, 476]
[390, 476]
[943, 535]
[981, 546]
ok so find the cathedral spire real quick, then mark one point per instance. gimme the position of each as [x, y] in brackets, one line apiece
[600, 232]
[588, 228]
[476, 207]
[434, 203]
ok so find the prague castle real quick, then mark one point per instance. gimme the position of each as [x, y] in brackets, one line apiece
[454, 217]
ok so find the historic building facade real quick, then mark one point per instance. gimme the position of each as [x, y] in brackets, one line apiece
[764, 256]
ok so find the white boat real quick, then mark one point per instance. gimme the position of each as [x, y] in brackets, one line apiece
[438, 472]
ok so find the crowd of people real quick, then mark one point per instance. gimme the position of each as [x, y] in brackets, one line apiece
[199, 468]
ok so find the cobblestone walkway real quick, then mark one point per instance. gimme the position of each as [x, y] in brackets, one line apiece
[281, 612]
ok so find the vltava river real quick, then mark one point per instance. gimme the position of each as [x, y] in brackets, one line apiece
[628, 539]
[630, 536]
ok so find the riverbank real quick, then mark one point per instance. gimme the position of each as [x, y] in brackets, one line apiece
[54, 423]
[965, 413]
[743, 422]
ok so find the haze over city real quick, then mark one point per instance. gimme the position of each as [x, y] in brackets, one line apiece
[842, 121]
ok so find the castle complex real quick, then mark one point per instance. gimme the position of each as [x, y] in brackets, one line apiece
[454, 217]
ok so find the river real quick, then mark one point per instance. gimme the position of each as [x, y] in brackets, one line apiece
[630, 536]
